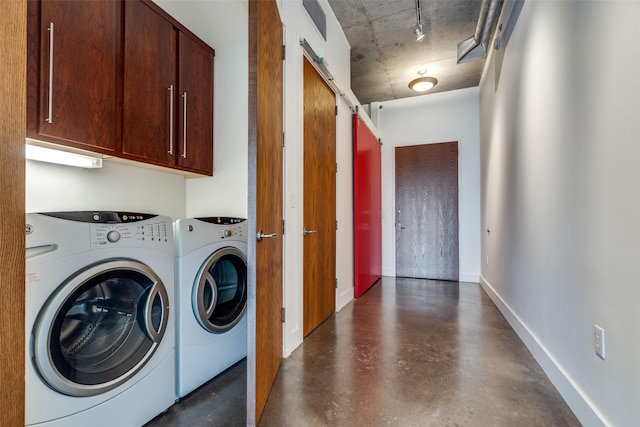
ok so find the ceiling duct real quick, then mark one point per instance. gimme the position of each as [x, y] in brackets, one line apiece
[316, 14]
[475, 47]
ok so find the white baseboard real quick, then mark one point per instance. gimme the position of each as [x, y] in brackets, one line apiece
[463, 277]
[344, 298]
[586, 412]
[469, 277]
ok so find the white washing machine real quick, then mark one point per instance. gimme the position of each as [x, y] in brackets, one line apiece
[211, 298]
[99, 318]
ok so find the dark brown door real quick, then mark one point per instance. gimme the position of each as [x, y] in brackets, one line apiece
[319, 257]
[195, 110]
[265, 204]
[150, 92]
[427, 211]
[78, 63]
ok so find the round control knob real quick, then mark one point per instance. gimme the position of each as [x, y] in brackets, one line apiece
[113, 236]
[227, 233]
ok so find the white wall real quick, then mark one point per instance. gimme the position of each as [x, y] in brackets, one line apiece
[560, 152]
[224, 25]
[335, 50]
[426, 119]
[51, 187]
[226, 193]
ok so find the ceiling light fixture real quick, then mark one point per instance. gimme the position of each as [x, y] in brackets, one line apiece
[422, 83]
[419, 30]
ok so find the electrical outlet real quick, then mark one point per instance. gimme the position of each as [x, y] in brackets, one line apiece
[598, 341]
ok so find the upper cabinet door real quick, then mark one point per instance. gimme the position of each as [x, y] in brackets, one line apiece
[150, 92]
[74, 65]
[195, 118]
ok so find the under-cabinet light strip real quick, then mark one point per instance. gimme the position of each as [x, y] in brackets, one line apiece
[42, 154]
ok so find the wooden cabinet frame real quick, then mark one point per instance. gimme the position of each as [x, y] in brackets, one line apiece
[101, 122]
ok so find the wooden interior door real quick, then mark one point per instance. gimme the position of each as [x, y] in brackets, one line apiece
[367, 207]
[427, 211]
[265, 204]
[13, 33]
[319, 248]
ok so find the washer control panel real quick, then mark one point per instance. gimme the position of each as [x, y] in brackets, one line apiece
[150, 232]
[102, 217]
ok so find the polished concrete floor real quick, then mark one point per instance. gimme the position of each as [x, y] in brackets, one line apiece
[407, 353]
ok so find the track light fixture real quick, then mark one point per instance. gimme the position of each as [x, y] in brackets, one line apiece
[419, 30]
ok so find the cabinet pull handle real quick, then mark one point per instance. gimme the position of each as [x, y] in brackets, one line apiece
[184, 125]
[170, 120]
[49, 118]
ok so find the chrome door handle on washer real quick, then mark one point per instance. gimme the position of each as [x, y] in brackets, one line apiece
[261, 236]
[156, 334]
[305, 231]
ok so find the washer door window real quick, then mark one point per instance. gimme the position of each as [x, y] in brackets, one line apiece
[220, 292]
[101, 327]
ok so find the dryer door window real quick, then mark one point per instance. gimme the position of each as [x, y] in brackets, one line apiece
[101, 327]
[220, 292]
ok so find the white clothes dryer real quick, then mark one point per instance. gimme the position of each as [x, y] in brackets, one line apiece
[211, 298]
[100, 339]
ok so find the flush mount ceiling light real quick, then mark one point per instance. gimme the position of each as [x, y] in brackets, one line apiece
[419, 30]
[422, 83]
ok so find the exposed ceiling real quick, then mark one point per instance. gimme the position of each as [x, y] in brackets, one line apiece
[385, 55]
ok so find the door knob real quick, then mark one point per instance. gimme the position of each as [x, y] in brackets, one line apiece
[261, 236]
[305, 231]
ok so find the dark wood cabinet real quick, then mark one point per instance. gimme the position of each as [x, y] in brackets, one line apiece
[73, 70]
[121, 78]
[168, 93]
[148, 108]
[195, 119]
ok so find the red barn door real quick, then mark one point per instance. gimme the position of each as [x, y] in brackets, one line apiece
[367, 207]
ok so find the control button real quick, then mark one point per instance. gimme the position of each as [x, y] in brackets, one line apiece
[113, 236]
[96, 217]
[228, 233]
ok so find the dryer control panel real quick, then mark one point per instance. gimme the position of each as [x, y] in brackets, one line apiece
[227, 227]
